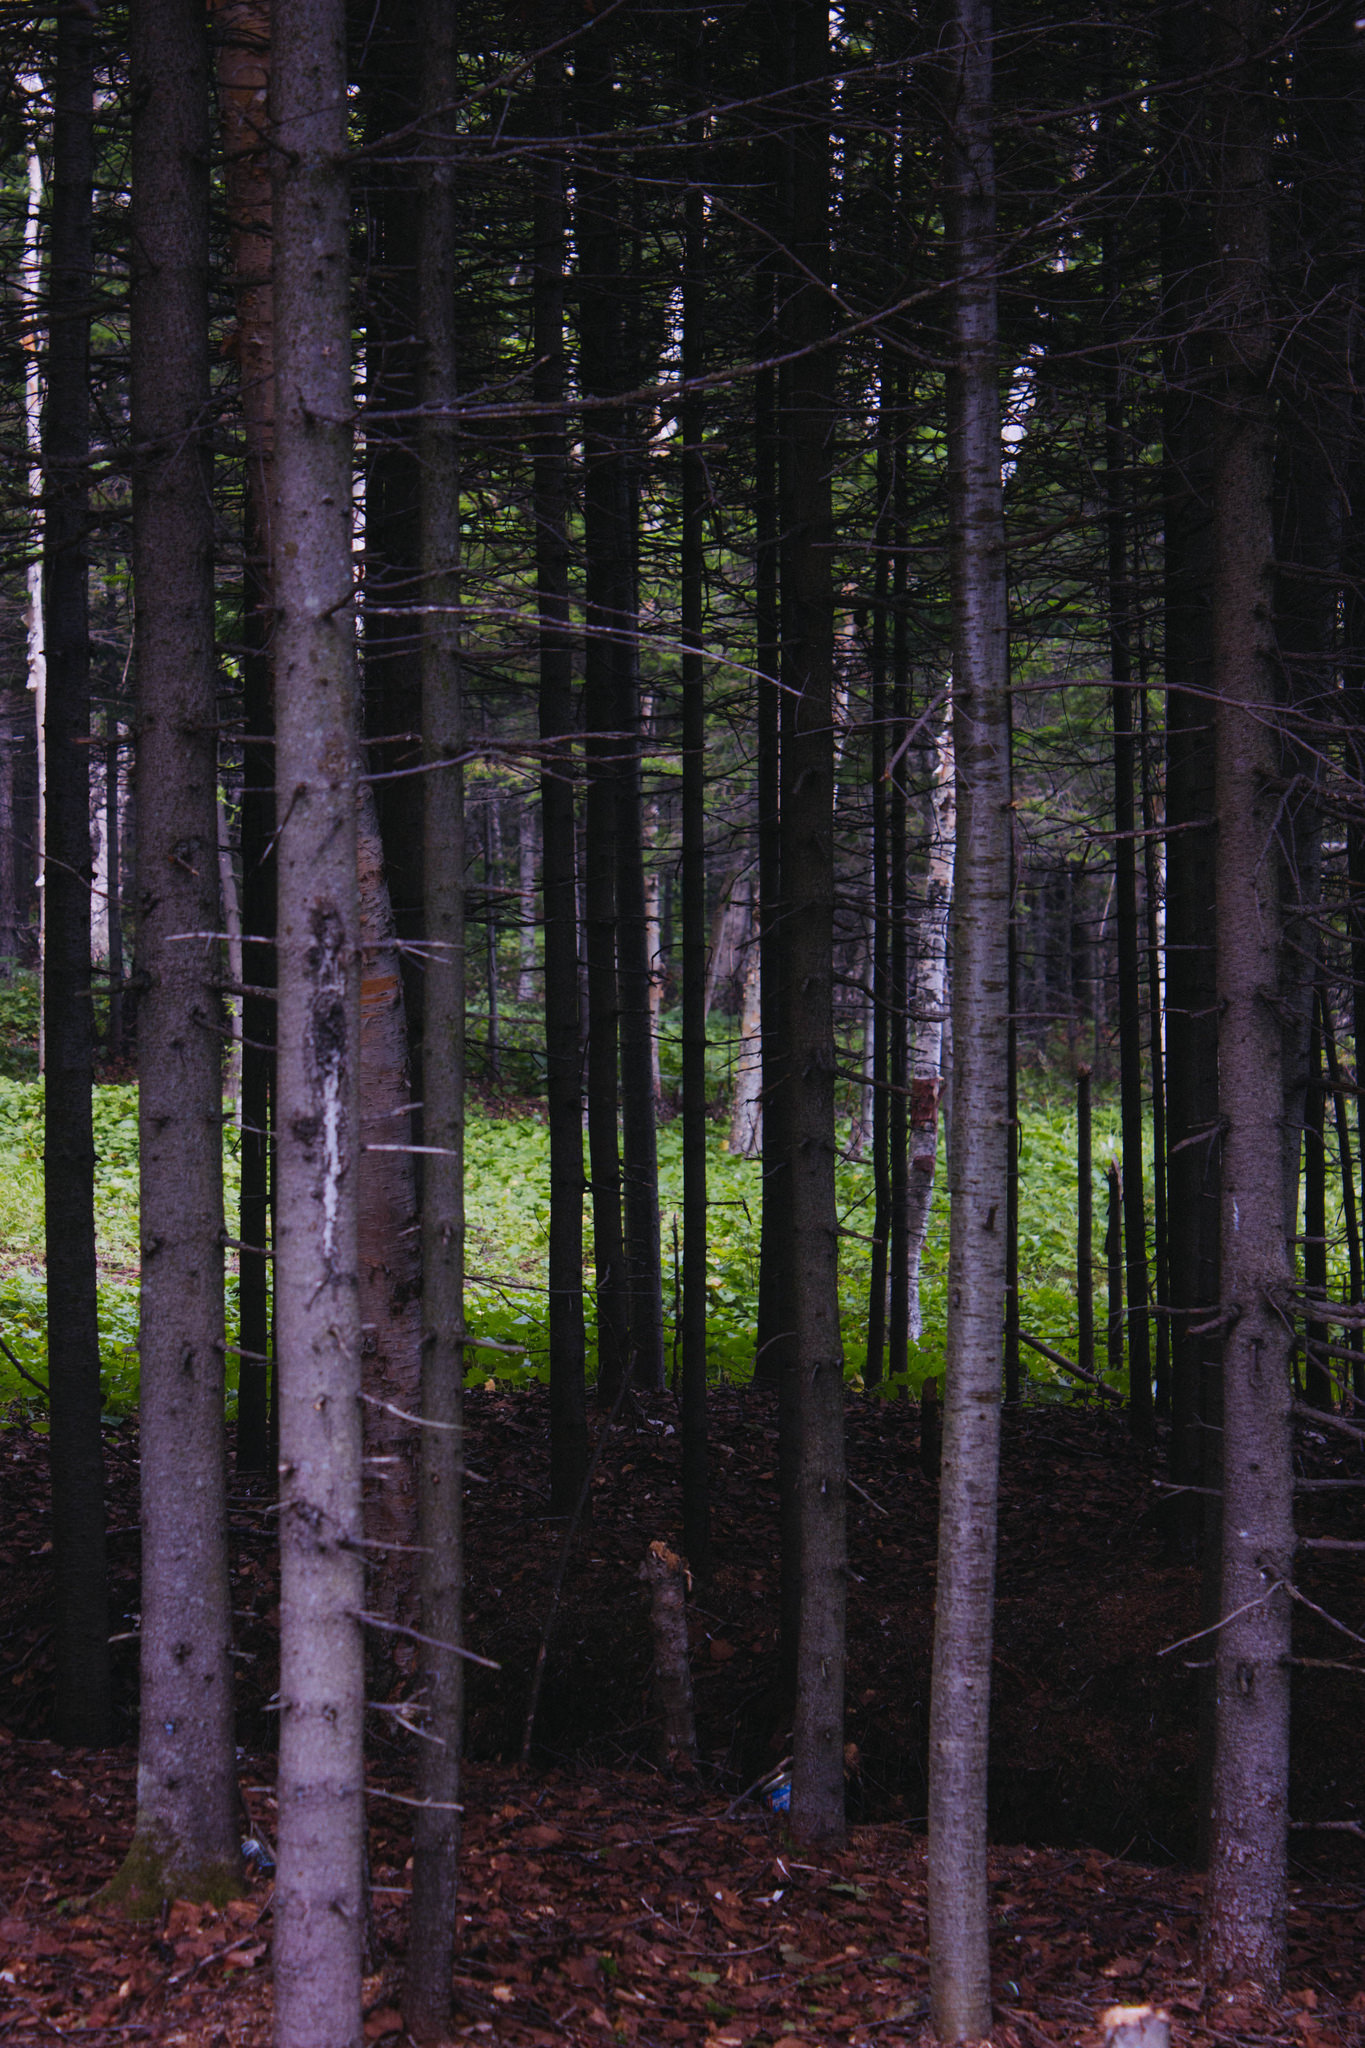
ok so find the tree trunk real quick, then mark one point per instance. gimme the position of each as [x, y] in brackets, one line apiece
[242, 35]
[807, 938]
[185, 1845]
[1244, 1931]
[558, 865]
[75, 1447]
[1317, 1334]
[746, 1102]
[388, 1242]
[1085, 1227]
[526, 897]
[930, 995]
[440, 1450]
[959, 1959]
[1120, 595]
[563, 1009]
[1193, 1137]
[607, 542]
[320, 1904]
[696, 1503]
[880, 962]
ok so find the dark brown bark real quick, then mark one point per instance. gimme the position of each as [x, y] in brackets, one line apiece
[81, 1601]
[563, 1021]
[806, 939]
[440, 1448]
[664, 1572]
[392, 74]
[1317, 1375]
[880, 1016]
[185, 1845]
[1120, 594]
[1244, 1930]
[607, 548]
[320, 1903]
[242, 36]
[696, 1502]
[1085, 1227]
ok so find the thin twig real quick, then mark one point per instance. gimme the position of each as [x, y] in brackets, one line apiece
[397, 1628]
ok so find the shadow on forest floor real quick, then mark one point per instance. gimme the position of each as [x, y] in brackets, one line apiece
[602, 1896]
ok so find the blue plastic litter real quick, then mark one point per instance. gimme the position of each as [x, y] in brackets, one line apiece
[779, 1794]
[257, 1857]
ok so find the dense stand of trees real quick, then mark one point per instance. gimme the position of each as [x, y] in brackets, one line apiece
[602, 484]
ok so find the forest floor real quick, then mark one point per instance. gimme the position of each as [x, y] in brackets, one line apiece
[604, 1899]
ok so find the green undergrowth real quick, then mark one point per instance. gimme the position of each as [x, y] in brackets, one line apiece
[508, 1213]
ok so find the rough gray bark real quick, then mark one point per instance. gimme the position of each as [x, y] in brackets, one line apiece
[320, 1903]
[959, 1958]
[1244, 1929]
[440, 1451]
[816, 1371]
[185, 1844]
[77, 1457]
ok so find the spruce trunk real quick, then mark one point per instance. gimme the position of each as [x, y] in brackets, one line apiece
[959, 1958]
[320, 1903]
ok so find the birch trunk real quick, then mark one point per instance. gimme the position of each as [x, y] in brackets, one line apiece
[928, 1000]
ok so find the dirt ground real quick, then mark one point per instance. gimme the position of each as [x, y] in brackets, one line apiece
[604, 1899]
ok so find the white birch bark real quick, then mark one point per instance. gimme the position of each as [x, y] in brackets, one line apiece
[928, 999]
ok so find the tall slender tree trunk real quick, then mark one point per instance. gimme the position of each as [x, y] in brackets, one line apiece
[774, 1290]
[879, 1022]
[320, 1904]
[1120, 594]
[696, 1503]
[807, 940]
[959, 1959]
[440, 1451]
[243, 63]
[76, 1451]
[898, 905]
[607, 546]
[1191, 1009]
[185, 1845]
[1244, 1930]
[930, 994]
[558, 864]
